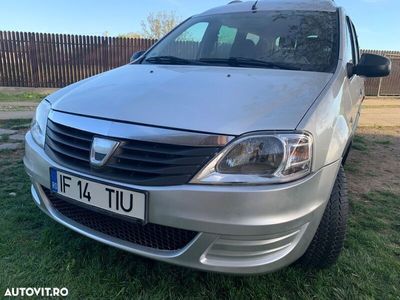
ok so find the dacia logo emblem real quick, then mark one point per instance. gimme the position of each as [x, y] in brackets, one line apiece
[101, 151]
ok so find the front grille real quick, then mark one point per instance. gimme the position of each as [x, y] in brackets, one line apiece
[135, 162]
[150, 235]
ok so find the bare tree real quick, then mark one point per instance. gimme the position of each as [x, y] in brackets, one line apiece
[159, 24]
[131, 35]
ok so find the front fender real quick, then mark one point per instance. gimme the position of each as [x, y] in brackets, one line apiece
[328, 121]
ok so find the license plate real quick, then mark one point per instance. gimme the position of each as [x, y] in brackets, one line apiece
[110, 198]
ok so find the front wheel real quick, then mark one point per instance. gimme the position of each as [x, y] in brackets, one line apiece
[327, 244]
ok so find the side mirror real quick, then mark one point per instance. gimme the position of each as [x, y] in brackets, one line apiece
[136, 55]
[372, 65]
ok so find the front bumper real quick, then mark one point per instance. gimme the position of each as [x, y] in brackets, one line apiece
[242, 229]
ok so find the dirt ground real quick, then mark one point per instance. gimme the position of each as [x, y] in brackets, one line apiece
[374, 162]
[381, 112]
[15, 115]
[9, 89]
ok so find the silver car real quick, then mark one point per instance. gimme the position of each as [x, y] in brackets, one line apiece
[221, 148]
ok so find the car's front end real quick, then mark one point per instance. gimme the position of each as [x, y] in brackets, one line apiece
[197, 163]
[236, 228]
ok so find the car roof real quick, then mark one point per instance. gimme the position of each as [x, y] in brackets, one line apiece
[265, 5]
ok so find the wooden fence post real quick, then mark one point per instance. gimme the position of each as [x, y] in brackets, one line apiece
[105, 62]
[45, 60]
[33, 60]
[2, 66]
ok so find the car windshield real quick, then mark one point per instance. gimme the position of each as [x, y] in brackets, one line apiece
[293, 40]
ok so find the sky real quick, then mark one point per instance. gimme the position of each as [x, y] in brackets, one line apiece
[377, 21]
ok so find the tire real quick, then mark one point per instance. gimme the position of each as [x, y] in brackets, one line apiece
[328, 241]
[346, 155]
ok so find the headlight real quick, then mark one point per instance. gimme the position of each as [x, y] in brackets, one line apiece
[260, 159]
[39, 122]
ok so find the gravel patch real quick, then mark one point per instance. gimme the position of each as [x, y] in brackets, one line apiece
[9, 115]
[10, 146]
[7, 131]
[17, 137]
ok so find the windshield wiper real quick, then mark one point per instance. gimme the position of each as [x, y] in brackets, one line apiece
[232, 61]
[262, 63]
[242, 61]
[171, 60]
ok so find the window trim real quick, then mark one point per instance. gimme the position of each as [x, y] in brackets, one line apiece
[357, 46]
[353, 44]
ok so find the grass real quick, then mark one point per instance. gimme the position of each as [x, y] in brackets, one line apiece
[15, 124]
[4, 138]
[359, 144]
[384, 142]
[37, 252]
[352, 167]
[366, 106]
[25, 96]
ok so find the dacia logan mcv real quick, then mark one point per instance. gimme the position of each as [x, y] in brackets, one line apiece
[221, 148]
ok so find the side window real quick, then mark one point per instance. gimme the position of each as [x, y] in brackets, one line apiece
[357, 46]
[193, 34]
[253, 37]
[350, 53]
[226, 38]
[188, 43]
[227, 35]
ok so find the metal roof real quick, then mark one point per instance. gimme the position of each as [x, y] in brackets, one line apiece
[265, 5]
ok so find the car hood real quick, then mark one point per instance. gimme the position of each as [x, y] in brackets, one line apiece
[221, 100]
